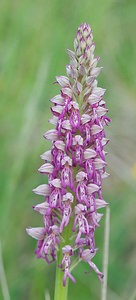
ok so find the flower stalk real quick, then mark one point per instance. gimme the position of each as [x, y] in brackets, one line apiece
[61, 292]
[75, 167]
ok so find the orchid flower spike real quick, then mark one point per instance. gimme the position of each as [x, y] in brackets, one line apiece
[75, 165]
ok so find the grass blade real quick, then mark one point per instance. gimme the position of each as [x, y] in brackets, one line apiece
[3, 280]
[106, 254]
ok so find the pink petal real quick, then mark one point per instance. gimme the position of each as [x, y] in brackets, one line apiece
[67, 91]
[53, 120]
[51, 135]
[57, 109]
[56, 183]
[63, 81]
[93, 99]
[99, 163]
[46, 156]
[99, 91]
[60, 145]
[58, 99]
[46, 168]
[89, 153]
[92, 188]
[96, 129]
[36, 232]
[85, 118]
[66, 125]
[42, 208]
[100, 203]
[42, 189]
[96, 71]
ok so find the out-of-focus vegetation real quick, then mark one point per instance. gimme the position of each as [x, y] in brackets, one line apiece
[34, 36]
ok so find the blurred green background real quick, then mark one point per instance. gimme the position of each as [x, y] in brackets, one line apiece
[34, 36]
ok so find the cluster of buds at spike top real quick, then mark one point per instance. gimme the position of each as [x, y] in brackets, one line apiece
[76, 163]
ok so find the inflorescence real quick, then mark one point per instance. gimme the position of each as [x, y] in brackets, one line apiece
[75, 165]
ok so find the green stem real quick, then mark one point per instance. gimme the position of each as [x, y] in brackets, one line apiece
[61, 292]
